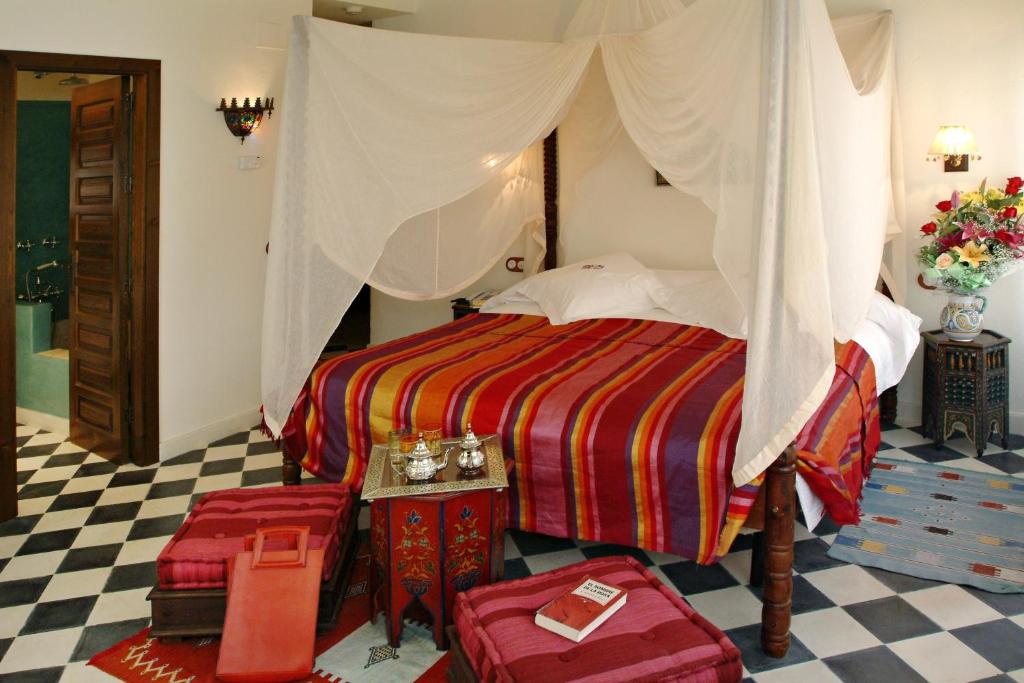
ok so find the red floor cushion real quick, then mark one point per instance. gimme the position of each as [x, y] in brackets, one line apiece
[196, 556]
[656, 636]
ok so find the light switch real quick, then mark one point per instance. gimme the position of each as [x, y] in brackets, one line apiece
[248, 162]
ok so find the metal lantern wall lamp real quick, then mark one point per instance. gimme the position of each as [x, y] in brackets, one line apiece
[243, 120]
[954, 146]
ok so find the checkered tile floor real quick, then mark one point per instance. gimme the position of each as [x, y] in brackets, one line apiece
[76, 565]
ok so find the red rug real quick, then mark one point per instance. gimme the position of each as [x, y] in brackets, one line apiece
[340, 652]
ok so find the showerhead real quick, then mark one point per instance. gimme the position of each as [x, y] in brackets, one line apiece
[74, 79]
[46, 266]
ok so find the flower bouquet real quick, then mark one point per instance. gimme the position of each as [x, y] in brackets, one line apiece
[975, 238]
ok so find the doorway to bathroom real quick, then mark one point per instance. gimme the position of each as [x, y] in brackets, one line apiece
[79, 180]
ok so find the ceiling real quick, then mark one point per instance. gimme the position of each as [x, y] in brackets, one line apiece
[46, 86]
[344, 11]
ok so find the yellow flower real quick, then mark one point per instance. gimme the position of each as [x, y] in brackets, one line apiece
[972, 197]
[973, 254]
[995, 193]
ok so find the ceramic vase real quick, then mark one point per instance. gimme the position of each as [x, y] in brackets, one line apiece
[961, 317]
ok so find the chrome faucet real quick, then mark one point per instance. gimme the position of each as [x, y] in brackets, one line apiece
[51, 242]
[41, 291]
[49, 291]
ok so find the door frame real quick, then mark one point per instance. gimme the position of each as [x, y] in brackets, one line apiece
[145, 250]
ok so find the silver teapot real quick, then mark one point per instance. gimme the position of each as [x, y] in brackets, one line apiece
[472, 458]
[420, 464]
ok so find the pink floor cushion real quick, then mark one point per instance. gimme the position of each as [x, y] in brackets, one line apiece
[656, 636]
[196, 556]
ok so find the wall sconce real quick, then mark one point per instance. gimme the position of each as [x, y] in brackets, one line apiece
[242, 121]
[955, 146]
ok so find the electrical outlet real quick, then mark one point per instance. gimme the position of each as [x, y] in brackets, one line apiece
[248, 162]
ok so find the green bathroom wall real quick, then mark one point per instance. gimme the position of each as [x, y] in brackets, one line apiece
[41, 208]
[41, 373]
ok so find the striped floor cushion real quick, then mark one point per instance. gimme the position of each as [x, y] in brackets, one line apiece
[196, 556]
[654, 637]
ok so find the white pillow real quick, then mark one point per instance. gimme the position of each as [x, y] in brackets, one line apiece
[702, 298]
[899, 329]
[601, 287]
[656, 314]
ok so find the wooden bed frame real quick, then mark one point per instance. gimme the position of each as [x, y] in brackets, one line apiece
[774, 512]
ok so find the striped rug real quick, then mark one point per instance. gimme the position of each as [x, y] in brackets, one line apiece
[940, 523]
[355, 650]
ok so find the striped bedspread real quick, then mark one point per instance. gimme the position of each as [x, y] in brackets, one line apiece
[623, 431]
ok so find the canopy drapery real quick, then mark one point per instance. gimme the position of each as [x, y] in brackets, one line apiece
[411, 162]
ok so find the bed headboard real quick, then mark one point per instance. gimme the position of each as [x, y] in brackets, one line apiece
[551, 200]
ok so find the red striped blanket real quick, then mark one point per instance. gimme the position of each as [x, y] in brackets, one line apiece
[623, 431]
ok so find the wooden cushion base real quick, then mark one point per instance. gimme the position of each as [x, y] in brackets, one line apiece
[459, 670]
[194, 613]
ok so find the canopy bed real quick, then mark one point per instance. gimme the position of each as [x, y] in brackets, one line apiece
[406, 157]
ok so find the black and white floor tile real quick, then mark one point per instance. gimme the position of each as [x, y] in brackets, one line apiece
[76, 565]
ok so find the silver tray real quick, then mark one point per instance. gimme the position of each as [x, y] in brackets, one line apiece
[383, 482]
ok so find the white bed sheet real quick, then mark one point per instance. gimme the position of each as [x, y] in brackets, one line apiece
[531, 308]
[890, 334]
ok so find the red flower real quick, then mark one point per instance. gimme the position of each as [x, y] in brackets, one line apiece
[1011, 239]
[1010, 212]
[1013, 185]
[944, 205]
[929, 228]
[954, 239]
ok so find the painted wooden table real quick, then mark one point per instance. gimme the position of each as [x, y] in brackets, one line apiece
[431, 541]
[966, 385]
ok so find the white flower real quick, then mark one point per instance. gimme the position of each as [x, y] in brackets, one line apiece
[944, 261]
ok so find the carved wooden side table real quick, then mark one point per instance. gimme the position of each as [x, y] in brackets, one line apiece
[461, 308]
[966, 385]
[431, 541]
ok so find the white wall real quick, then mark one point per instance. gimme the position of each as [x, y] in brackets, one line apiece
[214, 219]
[958, 62]
[618, 206]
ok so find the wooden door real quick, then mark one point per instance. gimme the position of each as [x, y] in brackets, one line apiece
[8, 446]
[100, 287]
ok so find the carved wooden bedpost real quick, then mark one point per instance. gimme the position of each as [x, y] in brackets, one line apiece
[291, 471]
[551, 200]
[888, 400]
[888, 404]
[779, 514]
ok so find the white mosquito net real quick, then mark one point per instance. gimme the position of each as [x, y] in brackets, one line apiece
[411, 162]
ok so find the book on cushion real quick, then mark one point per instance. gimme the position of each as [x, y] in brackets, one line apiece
[578, 612]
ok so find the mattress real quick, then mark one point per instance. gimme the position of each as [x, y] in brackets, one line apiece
[622, 430]
[196, 556]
